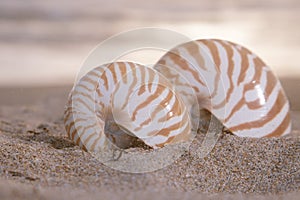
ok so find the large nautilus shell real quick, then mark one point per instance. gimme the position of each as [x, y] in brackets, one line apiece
[233, 83]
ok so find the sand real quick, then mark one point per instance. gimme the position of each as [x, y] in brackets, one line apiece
[38, 161]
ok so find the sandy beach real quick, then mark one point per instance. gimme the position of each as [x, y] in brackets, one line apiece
[37, 159]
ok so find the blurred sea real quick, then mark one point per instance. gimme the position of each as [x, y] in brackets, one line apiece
[44, 43]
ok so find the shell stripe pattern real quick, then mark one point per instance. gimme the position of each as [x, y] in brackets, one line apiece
[137, 98]
[232, 83]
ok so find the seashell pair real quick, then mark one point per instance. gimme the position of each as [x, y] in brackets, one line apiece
[119, 102]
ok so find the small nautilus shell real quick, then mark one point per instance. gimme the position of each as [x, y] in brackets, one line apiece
[119, 101]
[232, 83]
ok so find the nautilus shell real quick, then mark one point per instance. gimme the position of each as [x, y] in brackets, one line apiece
[117, 103]
[139, 100]
[232, 83]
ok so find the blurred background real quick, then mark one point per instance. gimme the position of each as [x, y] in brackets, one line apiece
[44, 43]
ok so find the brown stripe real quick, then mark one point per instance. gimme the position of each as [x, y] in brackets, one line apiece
[166, 142]
[73, 112]
[123, 70]
[193, 49]
[230, 70]
[69, 133]
[68, 127]
[237, 107]
[93, 73]
[92, 148]
[102, 105]
[113, 72]
[244, 66]
[67, 115]
[270, 84]
[143, 82]
[99, 92]
[85, 87]
[220, 105]
[131, 87]
[276, 108]
[163, 104]
[160, 63]
[181, 62]
[89, 80]
[151, 80]
[85, 104]
[116, 84]
[217, 62]
[185, 94]
[166, 131]
[78, 141]
[79, 120]
[104, 78]
[165, 70]
[89, 138]
[253, 105]
[143, 124]
[100, 69]
[83, 94]
[183, 136]
[84, 148]
[229, 51]
[256, 78]
[84, 129]
[75, 132]
[100, 135]
[214, 51]
[176, 110]
[281, 128]
[159, 90]
[142, 89]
